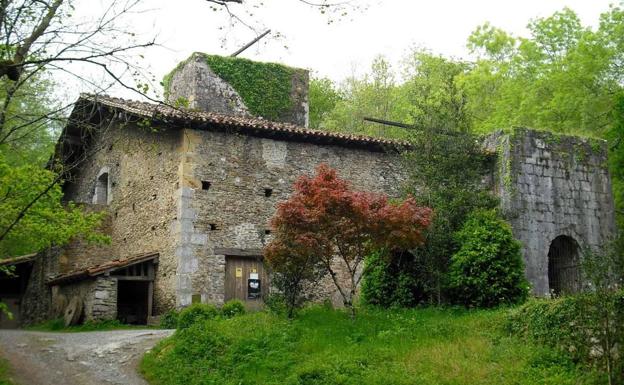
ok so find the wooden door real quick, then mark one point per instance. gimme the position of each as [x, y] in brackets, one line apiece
[238, 273]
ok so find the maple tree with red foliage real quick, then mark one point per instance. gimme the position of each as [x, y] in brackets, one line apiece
[326, 226]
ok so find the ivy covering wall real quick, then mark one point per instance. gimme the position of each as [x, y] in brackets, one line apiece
[264, 87]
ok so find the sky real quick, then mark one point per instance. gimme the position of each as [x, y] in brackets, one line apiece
[335, 50]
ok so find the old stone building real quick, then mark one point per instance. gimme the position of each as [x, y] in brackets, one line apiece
[190, 191]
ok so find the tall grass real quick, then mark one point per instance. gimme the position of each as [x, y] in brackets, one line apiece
[322, 346]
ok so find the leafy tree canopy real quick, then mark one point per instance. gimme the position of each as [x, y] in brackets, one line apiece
[325, 223]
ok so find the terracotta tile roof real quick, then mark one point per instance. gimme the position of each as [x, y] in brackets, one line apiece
[94, 271]
[245, 125]
[17, 260]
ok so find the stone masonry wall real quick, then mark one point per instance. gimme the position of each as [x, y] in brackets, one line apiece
[142, 163]
[103, 305]
[235, 211]
[204, 90]
[552, 185]
[99, 298]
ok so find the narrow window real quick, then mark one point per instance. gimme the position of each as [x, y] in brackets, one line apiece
[267, 232]
[268, 192]
[101, 189]
[213, 227]
[205, 185]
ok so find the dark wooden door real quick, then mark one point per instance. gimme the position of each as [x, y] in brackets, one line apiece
[238, 273]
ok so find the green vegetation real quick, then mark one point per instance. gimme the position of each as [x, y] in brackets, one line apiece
[488, 269]
[576, 326]
[444, 174]
[58, 325]
[264, 87]
[199, 312]
[323, 346]
[5, 373]
[33, 216]
[563, 77]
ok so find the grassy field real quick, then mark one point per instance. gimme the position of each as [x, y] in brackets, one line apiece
[323, 346]
[5, 375]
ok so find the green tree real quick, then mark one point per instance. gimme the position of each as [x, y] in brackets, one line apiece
[33, 216]
[561, 78]
[373, 95]
[323, 99]
[430, 96]
[445, 173]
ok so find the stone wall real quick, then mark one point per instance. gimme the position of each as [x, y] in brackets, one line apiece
[36, 303]
[552, 185]
[103, 305]
[234, 212]
[196, 83]
[99, 298]
[142, 163]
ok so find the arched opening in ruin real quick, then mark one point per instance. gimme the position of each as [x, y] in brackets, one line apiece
[101, 189]
[564, 270]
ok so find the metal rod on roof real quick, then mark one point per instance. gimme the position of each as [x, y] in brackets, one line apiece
[408, 126]
[254, 41]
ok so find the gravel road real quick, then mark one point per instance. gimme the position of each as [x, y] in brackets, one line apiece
[41, 358]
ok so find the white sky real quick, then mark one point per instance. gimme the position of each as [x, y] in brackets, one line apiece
[387, 27]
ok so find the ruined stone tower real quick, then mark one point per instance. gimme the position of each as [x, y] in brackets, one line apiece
[240, 87]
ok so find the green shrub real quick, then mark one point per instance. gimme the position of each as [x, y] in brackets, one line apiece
[488, 269]
[575, 325]
[392, 281]
[169, 320]
[232, 308]
[196, 313]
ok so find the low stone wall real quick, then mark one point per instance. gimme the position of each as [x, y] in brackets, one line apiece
[99, 298]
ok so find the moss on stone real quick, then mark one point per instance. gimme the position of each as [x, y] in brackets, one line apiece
[264, 87]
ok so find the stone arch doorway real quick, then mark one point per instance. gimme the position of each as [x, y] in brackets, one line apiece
[564, 270]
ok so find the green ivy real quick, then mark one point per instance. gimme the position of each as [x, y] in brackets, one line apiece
[264, 87]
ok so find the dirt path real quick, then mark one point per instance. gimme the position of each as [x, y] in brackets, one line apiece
[40, 358]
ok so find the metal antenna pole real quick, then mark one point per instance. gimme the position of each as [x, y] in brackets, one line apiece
[254, 41]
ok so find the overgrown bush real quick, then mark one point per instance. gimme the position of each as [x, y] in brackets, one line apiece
[488, 269]
[169, 320]
[576, 326]
[392, 281]
[196, 313]
[232, 308]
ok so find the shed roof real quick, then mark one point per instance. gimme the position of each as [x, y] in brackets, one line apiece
[17, 260]
[94, 271]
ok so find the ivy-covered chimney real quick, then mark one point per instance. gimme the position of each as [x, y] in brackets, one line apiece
[242, 87]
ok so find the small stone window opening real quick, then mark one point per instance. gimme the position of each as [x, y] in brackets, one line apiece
[213, 227]
[205, 185]
[268, 192]
[101, 190]
[267, 232]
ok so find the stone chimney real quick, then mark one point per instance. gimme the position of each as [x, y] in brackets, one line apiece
[241, 87]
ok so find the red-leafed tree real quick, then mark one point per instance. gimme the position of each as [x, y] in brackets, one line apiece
[325, 225]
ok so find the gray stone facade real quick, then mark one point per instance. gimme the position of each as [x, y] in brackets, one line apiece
[188, 191]
[552, 185]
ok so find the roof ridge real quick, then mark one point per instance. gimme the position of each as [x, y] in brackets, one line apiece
[150, 110]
